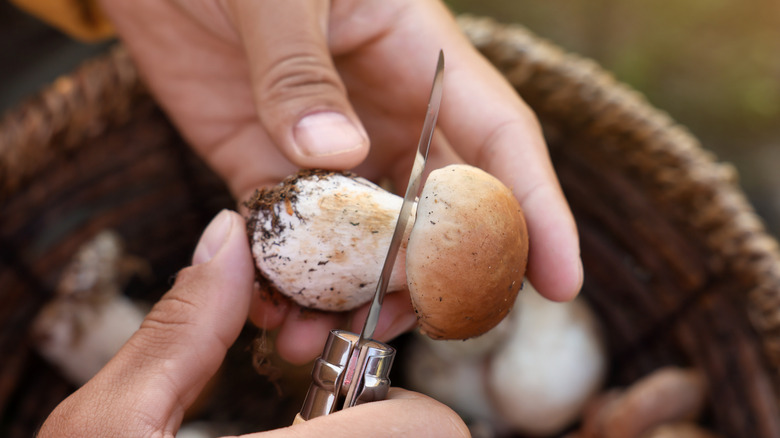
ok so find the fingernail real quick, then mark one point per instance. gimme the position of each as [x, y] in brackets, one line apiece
[327, 133]
[213, 238]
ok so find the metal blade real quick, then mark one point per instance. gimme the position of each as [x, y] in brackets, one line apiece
[360, 351]
[434, 102]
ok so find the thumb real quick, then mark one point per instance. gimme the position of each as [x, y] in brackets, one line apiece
[160, 371]
[301, 101]
[403, 413]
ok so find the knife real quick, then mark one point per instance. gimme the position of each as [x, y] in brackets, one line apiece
[354, 369]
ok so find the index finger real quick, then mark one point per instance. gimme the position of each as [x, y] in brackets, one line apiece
[490, 127]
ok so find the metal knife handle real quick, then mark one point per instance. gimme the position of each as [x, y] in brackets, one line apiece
[338, 366]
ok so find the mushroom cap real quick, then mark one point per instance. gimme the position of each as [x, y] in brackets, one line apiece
[467, 253]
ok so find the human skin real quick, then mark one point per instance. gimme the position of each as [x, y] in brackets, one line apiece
[262, 88]
[146, 388]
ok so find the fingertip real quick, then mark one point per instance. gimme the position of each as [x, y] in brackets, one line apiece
[268, 308]
[301, 99]
[222, 259]
[230, 265]
[554, 263]
[303, 334]
[579, 277]
[213, 237]
[556, 276]
[423, 416]
[402, 413]
[396, 393]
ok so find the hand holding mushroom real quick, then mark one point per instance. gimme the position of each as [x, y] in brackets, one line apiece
[145, 389]
[261, 89]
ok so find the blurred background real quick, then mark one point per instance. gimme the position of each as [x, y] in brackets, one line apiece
[713, 65]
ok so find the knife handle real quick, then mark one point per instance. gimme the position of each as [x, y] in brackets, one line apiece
[334, 370]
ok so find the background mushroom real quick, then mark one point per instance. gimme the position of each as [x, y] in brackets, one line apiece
[533, 374]
[89, 319]
[666, 396]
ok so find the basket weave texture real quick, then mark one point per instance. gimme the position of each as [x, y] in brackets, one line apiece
[677, 264]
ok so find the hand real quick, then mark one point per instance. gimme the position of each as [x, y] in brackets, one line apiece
[145, 389]
[261, 88]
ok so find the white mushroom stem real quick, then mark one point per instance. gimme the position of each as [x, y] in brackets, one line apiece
[321, 239]
[207, 429]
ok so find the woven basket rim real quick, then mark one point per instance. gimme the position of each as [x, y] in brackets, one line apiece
[75, 107]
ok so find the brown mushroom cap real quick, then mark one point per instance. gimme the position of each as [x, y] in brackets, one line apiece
[467, 253]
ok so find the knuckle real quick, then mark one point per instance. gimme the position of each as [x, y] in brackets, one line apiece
[172, 310]
[298, 75]
[486, 151]
[186, 275]
[175, 312]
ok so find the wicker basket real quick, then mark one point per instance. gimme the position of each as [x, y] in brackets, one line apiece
[677, 264]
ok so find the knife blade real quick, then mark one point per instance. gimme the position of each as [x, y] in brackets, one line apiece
[412, 189]
[357, 361]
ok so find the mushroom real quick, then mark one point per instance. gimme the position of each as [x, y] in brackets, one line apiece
[667, 395]
[458, 383]
[553, 363]
[89, 319]
[207, 429]
[433, 366]
[79, 338]
[536, 370]
[321, 237]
